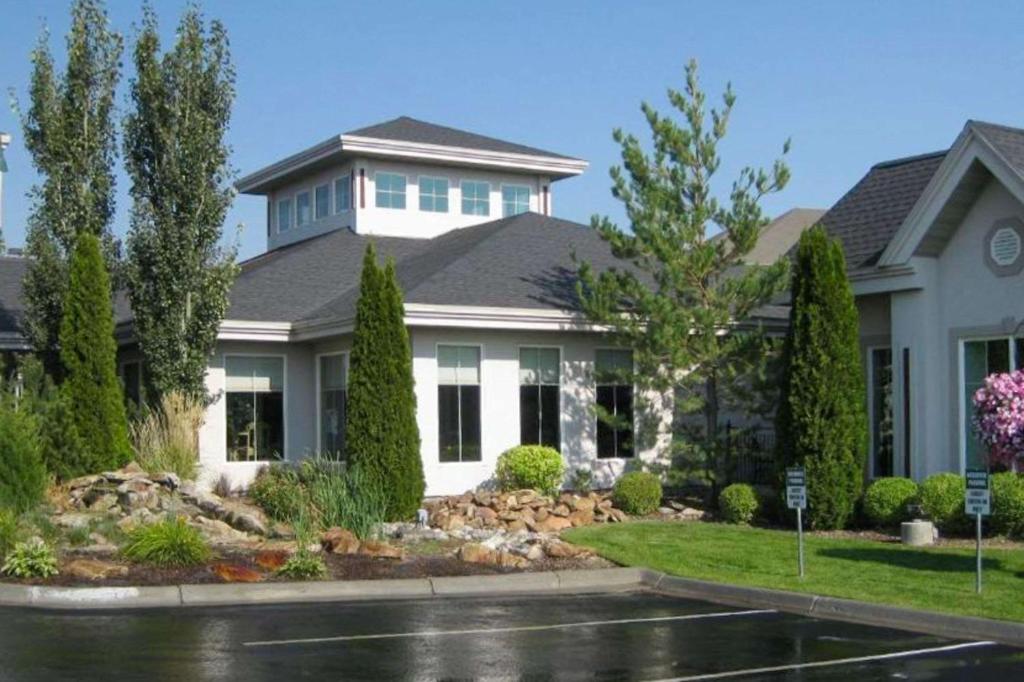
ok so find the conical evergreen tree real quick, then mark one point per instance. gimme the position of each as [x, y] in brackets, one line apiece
[88, 353]
[821, 422]
[381, 434]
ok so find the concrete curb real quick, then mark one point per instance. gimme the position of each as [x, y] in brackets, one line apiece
[240, 594]
[814, 606]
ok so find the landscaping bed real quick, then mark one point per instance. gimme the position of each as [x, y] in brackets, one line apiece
[933, 578]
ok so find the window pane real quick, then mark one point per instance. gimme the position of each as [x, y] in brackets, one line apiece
[332, 371]
[550, 417]
[998, 356]
[284, 215]
[470, 408]
[529, 372]
[131, 377]
[342, 195]
[332, 422]
[515, 199]
[254, 374]
[448, 423]
[323, 201]
[303, 210]
[1019, 346]
[613, 366]
[605, 432]
[434, 194]
[624, 411]
[469, 365]
[976, 366]
[476, 198]
[881, 411]
[547, 361]
[529, 415]
[255, 426]
[390, 190]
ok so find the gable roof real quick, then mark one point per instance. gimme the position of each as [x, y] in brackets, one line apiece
[781, 234]
[524, 261]
[407, 129]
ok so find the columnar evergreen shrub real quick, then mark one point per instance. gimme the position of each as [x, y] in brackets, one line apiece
[530, 466]
[22, 472]
[637, 492]
[88, 353]
[381, 434]
[942, 500]
[1007, 504]
[738, 503]
[887, 500]
[821, 422]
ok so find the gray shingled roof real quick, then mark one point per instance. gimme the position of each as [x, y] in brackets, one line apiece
[408, 129]
[520, 262]
[12, 307]
[1008, 142]
[868, 216]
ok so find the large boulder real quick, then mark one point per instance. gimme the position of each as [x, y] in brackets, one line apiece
[339, 541]
[94, 569]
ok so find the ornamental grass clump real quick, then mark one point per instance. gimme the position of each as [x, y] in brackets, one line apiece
[343, 496]
[167, 438]
[537, 467]
[169, 543]
[999, 416]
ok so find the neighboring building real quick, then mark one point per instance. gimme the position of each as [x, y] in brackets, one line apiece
[935, 251]
[780, 235]
[501, 355]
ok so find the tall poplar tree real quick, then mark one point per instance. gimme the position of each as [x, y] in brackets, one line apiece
[682, 300]
[822, 423]
[70, 133]
[178, 274]
[381, 434]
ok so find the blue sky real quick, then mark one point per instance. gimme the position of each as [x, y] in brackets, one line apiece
[850, 83]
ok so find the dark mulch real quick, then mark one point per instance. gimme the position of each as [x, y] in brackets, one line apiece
[339, 567]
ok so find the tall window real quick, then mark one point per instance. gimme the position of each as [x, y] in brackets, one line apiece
[333, 380]
[390, 190]
[983, 357]
[880, 387]
[254, 395]
[342, 194]
[434, 194]
[613, 370]
[284, 215]
[322, 201]
[515, 199]
[539, 405]
[303, 210]
[476, 198]
[458, 403]
[131, 378]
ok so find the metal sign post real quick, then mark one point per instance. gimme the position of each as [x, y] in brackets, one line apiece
[796, 498]
[977, 503]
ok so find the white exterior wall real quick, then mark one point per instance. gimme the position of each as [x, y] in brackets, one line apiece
[408, 222]
[499, 418]
[961, 298]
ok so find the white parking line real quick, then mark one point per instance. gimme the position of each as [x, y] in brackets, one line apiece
[519, 628]
[824, 664]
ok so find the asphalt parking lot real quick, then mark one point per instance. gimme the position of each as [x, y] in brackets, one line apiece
[607, 637]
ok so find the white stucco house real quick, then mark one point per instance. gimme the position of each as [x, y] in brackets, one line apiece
[935, 251]
[500, 354]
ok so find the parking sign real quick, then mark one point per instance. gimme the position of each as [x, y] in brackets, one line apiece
[977, 499]
[796, 488]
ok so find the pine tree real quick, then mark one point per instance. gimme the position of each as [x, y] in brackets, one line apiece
[684, 301]
[381, 434]
[821, 422]
[178, 275]
[88, 352]
[69, 131]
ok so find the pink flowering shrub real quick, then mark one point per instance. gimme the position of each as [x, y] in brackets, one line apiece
[999, 416]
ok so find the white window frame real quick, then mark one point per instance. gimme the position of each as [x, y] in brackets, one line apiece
[596, 383]
[437, 384]
[561, 386]
[870, 350]
[291, 214]
[284, 406]
[462, 196]
[529, 198]
[963, 419]
[325, 186]
[376, 190]
[308, 192]
[319, 397]
[347, 181]
[447, 196]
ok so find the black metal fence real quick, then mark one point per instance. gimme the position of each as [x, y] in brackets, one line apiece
[750, 453]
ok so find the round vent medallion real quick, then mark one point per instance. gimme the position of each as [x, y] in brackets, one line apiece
[1004, 247]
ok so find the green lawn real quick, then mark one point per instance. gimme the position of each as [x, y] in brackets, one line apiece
[931, 579]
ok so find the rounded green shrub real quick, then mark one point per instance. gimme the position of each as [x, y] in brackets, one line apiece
[169, 543]
[1007, 504]
[738, 503]
[637, 492]
[278, 491]
[887, 500]
[942, 500]
[530, 466]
